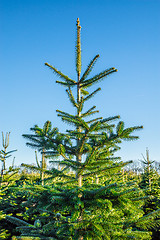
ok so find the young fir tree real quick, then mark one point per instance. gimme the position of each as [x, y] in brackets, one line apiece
[149, 172]
[151, 187]
[77, 207]
[4, 155]
[38, 141]
[9, 202]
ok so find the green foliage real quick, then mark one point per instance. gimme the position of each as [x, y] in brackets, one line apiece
[87, 197]
[3, 153]
[150, 184]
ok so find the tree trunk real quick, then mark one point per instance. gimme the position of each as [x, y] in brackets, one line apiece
[79, 157]
[149, 177]
[97, 179]
[43, 167]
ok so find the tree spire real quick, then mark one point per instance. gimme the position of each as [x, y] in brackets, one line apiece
[78, 49]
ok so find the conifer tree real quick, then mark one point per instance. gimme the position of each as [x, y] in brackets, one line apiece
[149, 171]
[4, 154]
[77, 207]
[38, 141]
[151, 187]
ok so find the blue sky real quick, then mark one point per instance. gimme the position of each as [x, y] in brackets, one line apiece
[126, 34]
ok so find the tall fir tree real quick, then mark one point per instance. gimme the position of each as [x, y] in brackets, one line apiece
[87, 198]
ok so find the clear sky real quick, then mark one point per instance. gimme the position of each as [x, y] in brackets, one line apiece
[126, 34]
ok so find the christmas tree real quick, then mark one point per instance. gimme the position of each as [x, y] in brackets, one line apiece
[86, 198]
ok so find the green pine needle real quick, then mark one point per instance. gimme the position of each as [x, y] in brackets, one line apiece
[89, 68]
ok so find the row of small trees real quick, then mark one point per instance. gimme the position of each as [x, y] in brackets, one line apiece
[87, 195]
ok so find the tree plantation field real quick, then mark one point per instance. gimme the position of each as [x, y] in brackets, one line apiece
[79, 189]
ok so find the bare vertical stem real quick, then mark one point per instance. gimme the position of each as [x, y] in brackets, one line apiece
[123, 174]
[78, 49]
[79, 156]
[5, 143]
[97, 179]
[43, 167]
[78, 69]
[148, 162]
